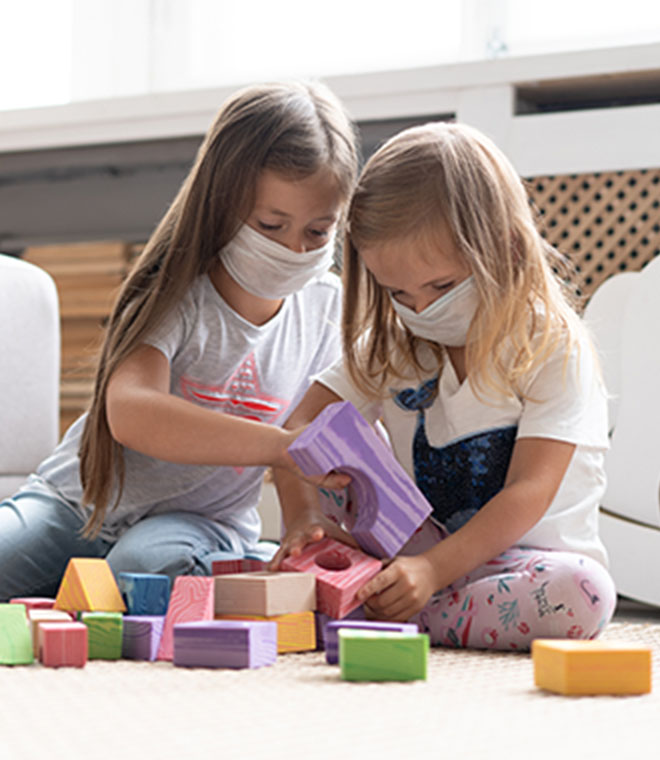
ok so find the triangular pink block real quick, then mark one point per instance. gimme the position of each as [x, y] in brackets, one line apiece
[192, 599]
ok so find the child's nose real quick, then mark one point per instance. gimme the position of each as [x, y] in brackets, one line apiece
[296, 242]
[422, 302]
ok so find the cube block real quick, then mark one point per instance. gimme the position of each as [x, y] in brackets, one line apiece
[145, 593]
[264, 593]
[104, 634]
[389, 507]
[63, 644]
[340, 572]
[591, 667]
[333, 627]
[37, 616]
[141, 636]
[296, 632]
[225, 644]
[387, 656]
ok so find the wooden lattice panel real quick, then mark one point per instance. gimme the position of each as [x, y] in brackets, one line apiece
[606, 222]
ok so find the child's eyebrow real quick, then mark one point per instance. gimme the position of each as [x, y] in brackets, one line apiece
[277, 212]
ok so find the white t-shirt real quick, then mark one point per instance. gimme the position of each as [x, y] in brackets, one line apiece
[223, 362]
[457, 447]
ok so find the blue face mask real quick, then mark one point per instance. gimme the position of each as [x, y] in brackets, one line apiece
[445, 321]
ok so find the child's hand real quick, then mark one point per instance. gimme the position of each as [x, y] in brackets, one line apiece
[306, 530]
[401, 590]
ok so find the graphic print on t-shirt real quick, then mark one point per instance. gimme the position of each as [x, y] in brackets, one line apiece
[241, 395]
[459, 478]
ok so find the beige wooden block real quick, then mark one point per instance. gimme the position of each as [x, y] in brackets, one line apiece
[37, 616]
[264, 593]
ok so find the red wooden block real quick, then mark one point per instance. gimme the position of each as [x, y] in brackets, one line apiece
[63, 644]
[192, 600]
[340, 572]
[34, 602]
[231, 566]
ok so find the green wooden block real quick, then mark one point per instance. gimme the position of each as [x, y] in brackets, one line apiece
[104, 634]
[382, 656]
[15, 639]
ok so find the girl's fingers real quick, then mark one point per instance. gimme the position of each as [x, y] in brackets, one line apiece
[376, 585]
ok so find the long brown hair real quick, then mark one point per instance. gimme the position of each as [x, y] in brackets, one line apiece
[292, 128]
[451, 174]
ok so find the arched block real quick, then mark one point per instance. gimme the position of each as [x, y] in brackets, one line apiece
[389, 506]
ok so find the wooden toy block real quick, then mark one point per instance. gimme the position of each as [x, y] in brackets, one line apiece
[389, 507]
[382, 656]
[192, 600]
[141, 636]
[104, 634]
[340, 572]
[145, 593]
[15, 641]
[296, 631]
[34, 602]
[591, 667]
[63, 644]
[334, 626]
[88, 585]
[38, 616]
[322, 620]
[225, 644]
[233, 566]
[264, 593]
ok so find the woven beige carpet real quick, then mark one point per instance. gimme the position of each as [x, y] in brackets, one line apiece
[474, 704]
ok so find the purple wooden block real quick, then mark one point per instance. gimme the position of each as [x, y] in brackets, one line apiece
[141, 636]
[225, 644]
[389, 505]
[332, 629]
[322, 620]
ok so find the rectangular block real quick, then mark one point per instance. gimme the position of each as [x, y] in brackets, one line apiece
[145, 593]
[141, 636]
[370, 656]
[296, 632]
[340, 572]
[34, 602]
[264, 593]
[15, 640]
[38, 616]
[104, 634]
[63, 644]
[225, 644]
[233, 566]
[333, 627]
[191, 600]
[591, 667]
[322, 620]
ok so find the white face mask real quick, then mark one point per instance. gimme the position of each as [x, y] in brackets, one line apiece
[270, 270]
[447, 319]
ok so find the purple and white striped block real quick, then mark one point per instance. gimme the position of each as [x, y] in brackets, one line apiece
[389, 505]
[225, 644]
[141, 636]
[379, 626]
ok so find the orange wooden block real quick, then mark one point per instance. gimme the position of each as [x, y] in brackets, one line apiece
[591, 667]
[89, 585]
[296, 631]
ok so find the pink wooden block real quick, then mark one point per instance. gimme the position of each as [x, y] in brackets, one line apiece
[192, 600]
[231, 566]
[34, 602]
[63, 644]
[340, 572]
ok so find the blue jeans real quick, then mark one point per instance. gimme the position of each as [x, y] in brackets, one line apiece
[39, 534]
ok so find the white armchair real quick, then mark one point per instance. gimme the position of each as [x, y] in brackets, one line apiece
[624, 315]
[29, 370]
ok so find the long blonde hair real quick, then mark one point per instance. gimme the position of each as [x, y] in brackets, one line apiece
[291, 128]
[451, 174]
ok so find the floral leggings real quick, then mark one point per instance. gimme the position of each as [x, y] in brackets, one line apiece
[523, 594]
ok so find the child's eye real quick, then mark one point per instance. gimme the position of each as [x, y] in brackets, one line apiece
[269, 227]
[319, 233]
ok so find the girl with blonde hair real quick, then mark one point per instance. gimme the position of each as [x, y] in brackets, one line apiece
[459, 337]
[215, 335]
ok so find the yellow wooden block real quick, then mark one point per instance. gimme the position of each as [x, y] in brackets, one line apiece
[88, 585]
[296, 631]
[591, 667]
